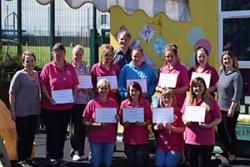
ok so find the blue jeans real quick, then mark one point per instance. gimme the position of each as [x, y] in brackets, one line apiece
[136, 154]
[167, 159]
[101, 154]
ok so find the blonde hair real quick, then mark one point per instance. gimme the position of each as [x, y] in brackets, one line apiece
[103, 83]
[104, 49]
[169, 94]
[78, 47]
[233, 57]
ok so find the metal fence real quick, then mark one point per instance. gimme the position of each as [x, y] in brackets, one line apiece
[72, 26]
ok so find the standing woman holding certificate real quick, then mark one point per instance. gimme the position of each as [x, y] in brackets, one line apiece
[59, 83]
[137, 69]
[229, 89]
[135, 135]
[173, 75]
[105, 68]
[24, 97]
[169, 136]
[101, 135]
[202, 66]
[201, 115]
[77, 129]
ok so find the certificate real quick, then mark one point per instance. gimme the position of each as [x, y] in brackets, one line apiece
[195, 113]
[62, 96]
[142, 82]
[85, 82]
[168, 80]
[163, 115]
[105, 115]
[112, 80]
[206, 77]
[247, 99]
[133, 115]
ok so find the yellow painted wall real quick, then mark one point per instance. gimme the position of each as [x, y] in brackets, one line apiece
[204, 21]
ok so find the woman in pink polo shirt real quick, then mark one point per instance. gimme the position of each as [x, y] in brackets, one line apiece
[202, 66]
[58, 75]
[105, 67]
[169, 136]
[173, 66]
[200, 136]
[102, 136]
[135, 135]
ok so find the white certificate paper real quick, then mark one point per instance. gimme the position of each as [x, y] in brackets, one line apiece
[142, 82]
[105, 115]
[206, 77]
[163, 115]
[195, 113]
[133, 115]
[112, 80]
[168, 80]
[62, 96]
[85, 82]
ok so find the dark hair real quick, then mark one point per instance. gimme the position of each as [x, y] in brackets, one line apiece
[126, 33]
[58, 46]
[135, 85]
[196, 50]
[139, 49]
[27, 53]
[191, 96]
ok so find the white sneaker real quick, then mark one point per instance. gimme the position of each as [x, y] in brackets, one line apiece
[224, 160]
[76, 157]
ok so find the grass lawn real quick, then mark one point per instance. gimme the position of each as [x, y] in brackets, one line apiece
[43, 53]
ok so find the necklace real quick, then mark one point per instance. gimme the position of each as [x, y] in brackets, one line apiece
[30, 73]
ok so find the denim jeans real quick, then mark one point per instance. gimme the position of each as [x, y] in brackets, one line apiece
[167, 159]
[136, 155]
[101, 154]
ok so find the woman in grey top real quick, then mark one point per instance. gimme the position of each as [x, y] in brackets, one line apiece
[25, 107]
[229, 89]
[77, 129]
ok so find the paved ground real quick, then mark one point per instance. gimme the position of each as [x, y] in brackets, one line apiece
[118, 157]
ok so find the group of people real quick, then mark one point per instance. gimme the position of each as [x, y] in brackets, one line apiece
[136, 83]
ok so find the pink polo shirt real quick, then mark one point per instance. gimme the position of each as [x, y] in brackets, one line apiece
[196, 135]
[171, 141]
[55, 78]
[97, 71]
[182, 80]
[100, 134]
[134, 134]
[207, 70]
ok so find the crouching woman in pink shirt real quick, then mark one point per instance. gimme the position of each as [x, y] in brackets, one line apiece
[169, 136]
[200, 136]
[102, 136]
[135, 135]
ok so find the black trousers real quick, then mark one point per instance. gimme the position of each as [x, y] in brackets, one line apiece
[56, 123]
[199, 155]
[77, 129]
[25, 129]
[226, 130]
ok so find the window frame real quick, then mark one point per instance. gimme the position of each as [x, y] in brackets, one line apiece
[230, 15]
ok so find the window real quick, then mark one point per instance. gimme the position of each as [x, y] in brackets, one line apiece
[103, 19]
[234, 32]
[229, 5]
